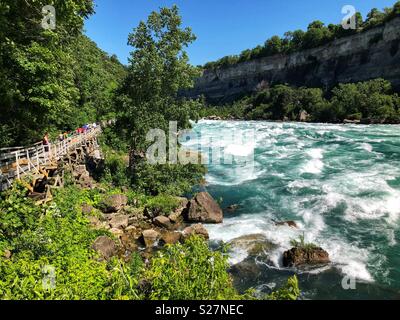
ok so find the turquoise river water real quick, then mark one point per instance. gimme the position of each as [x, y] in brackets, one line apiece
[339, 183]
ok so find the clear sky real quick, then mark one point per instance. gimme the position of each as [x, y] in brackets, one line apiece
[222, 27]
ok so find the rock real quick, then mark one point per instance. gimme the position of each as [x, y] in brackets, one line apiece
[129, 242]
[105, 246]
[150, 237]
[162, 222]
[232, 208]
[7, 254]
[116, 232]
[170, 237]
[130, 229]
[119, 222]
[347, 121]
[253, 244]
[303, 116]
[114, 203]
[176, 217]
[289, 223]
[203, 208]
[197, 229]
[80, 171]
[305, 256]
[87, 209]
[96, 224]
[248, 272]
[132, 211]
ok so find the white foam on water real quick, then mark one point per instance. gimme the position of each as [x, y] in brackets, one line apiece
[240, 150]
[315, 165]
[366, 147]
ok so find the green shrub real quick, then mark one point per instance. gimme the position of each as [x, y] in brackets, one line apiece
[302, 244]
[162, 204]
[190, 271]
[290, 291]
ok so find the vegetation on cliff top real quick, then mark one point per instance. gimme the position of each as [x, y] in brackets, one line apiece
[317, 34]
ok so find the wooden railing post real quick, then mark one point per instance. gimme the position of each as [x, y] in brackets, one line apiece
[17, 164]
[29, 160]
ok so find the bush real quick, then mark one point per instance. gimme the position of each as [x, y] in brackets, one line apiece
[190, 271]
[162, 204]
[290, 291]
[173, 179]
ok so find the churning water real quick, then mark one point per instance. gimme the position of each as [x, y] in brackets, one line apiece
[340, 183]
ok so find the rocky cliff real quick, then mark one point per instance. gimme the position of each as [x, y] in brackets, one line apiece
[364, 56]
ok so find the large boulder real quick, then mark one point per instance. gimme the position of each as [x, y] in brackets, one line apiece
[150, 237]
[203, 208]
[197, 229]
[114, 203]
[119, 222]
[105, 246]
[300, 256]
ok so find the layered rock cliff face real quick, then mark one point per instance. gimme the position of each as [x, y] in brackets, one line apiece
[364, 56]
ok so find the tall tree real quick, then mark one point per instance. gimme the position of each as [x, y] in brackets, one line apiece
[158, 70]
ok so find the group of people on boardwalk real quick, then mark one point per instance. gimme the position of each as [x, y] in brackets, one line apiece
[65, 136]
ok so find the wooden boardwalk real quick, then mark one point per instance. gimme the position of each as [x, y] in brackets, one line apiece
[36, 161]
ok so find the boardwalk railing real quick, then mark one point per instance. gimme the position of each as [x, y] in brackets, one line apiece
[18, 162]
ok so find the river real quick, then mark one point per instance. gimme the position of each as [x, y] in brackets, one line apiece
[339, 183]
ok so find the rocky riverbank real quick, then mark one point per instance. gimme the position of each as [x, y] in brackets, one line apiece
[145, 230]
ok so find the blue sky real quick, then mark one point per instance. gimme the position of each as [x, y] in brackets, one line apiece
[222, 27]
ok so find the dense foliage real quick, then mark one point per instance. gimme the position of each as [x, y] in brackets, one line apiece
[50, 257]
[370, 101]
[317, 34]
[50, 80]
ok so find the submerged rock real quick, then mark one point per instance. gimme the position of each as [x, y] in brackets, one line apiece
[203, 208]
[253, 244]
[232, 208]
[288, 223]
[305, 256]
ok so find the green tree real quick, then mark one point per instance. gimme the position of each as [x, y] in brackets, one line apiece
[158, 70]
